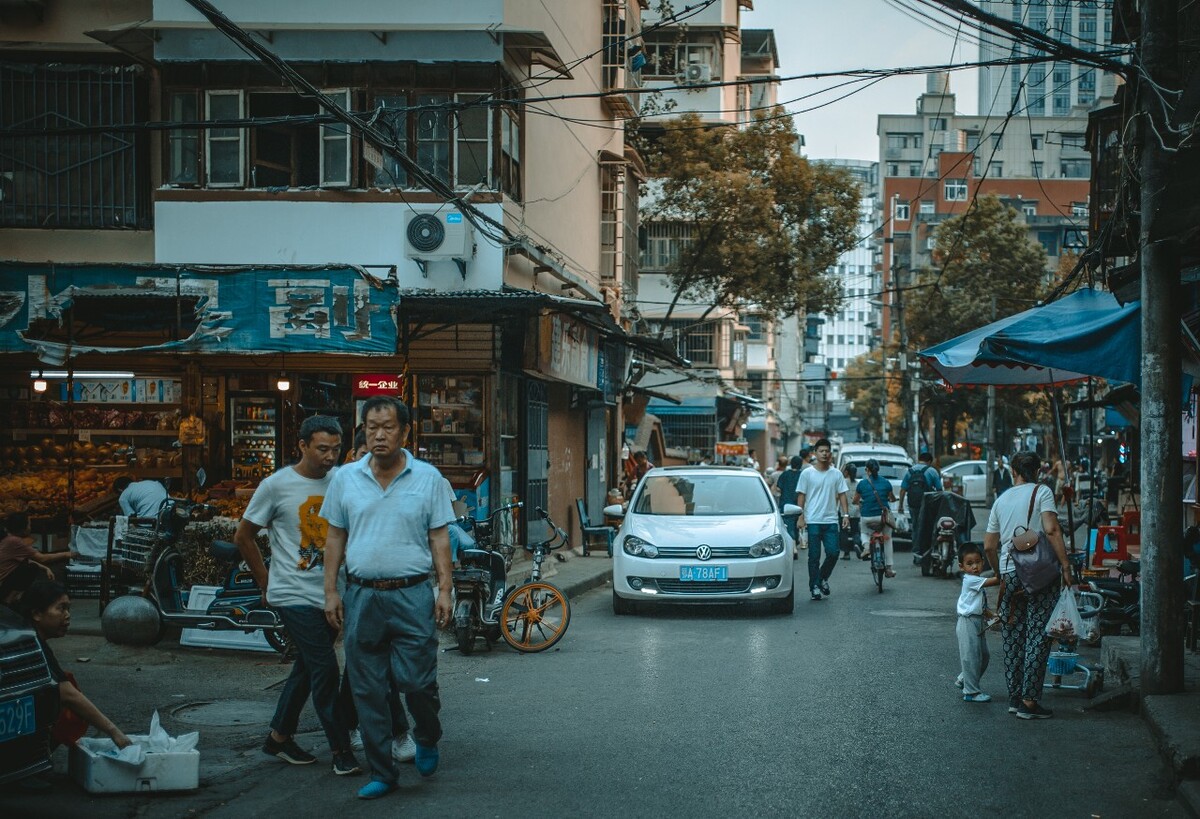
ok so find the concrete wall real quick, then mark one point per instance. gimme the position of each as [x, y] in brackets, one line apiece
[77, 245]
[320, 14]
[365, 233]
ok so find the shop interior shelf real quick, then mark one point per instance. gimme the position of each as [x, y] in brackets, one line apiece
[153, 433]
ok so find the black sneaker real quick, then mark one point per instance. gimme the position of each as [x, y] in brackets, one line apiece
[825, 588]
[816, 592]
[288, 751]
[344, 764]
[1014, 705]
[1034, 711]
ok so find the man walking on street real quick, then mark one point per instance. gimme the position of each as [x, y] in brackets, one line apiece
[786, 484]
[920, 478]
[286, 504]
[821, 494]
[387, 517]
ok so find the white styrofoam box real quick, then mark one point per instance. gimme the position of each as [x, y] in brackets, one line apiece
[198, 600]
[96, 773]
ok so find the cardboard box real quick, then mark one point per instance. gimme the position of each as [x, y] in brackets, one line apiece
[96, 773]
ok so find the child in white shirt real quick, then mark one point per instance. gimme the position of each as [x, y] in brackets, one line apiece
[973, 615]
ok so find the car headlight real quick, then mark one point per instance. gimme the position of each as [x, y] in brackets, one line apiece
[637, 547]
[768, 546]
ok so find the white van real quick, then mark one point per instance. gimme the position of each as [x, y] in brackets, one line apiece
[893, 463]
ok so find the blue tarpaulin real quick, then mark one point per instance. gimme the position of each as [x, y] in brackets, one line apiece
[335, 309]
[1084, 334]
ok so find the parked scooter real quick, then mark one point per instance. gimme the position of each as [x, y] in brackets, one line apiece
[1122, 599]
[238, 604]
[480, 582]
[942, 557]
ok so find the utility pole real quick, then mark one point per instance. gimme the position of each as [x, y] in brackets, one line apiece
[889, 288]
[1162, 514]
[991, 433]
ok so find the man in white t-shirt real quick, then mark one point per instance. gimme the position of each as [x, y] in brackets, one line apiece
[821, 493]
[287, 504]
[139, 499]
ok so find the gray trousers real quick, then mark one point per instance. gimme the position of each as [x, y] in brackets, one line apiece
[972, 651]
[391, 642]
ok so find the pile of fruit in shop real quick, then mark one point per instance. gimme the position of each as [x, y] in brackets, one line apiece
[45, 492]
[40, 415]
[229, 507]
[50, 453]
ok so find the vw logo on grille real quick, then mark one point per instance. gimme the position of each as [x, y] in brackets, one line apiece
[703, 551]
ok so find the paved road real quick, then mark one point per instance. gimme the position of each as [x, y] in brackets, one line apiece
[846, 708]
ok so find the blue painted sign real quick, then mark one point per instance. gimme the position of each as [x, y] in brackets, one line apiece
[337, 309]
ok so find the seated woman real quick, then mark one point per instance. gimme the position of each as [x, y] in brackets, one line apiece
[17, 547]
[46, 605]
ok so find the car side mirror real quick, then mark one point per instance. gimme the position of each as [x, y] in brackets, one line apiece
[791, 510]
[614, 511]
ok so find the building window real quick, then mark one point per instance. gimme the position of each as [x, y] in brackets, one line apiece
[1074, 168]
[937, 123]
[610, 221]
[972, 140]
[223, 164]
[667, 58]
[394, 119]
[472, 143]
[510, 153]
[1049, 241]
[695, 342]
[665, 242]
[286, 155]
[829, 340]
[1036, 168]
[893, 169]
[1029, 208]
[1035, 141]
[927, 207]
[433, 135]
[997, 141]
[335, 147]
[92, 180]
[1079, 209]
[183, 147]
[996, 170]
[1062, 103]
[900, 211]
[1076, 141]
[902, 141]
[758, 326]
[914, 168]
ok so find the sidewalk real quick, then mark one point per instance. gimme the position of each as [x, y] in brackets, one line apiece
[1174, 719]
[573, 576]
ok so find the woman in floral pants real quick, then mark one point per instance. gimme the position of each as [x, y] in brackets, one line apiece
[1023, 616]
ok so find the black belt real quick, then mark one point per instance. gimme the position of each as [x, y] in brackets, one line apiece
[388, 583]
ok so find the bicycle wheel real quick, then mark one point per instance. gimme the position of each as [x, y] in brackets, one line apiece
[535, 616]
[877, 568]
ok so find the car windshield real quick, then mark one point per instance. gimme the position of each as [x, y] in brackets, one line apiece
[704, 496]
[892, 470]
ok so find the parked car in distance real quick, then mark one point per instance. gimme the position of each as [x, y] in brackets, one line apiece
[28, 700]
[893, 463]
[709, 534]
[967, 478]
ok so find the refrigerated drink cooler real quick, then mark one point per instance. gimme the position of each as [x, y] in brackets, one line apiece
[253, 435]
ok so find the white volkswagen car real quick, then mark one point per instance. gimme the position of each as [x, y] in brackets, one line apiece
[708, 534]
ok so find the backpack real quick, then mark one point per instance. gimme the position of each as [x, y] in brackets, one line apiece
[918, 485]
[1032, 554]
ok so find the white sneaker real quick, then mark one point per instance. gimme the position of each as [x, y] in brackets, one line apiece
[404, 750]
[356, 740]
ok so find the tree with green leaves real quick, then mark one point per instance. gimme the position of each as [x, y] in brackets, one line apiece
[764, 226]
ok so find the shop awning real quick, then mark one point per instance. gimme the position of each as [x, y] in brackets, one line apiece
[59, 311]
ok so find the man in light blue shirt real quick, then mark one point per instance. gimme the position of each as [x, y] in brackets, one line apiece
[387, 515]
[139, 499]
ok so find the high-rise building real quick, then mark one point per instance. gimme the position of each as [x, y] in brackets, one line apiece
[1046, 89]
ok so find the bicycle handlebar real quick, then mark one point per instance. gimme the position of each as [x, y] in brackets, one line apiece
[558, 534]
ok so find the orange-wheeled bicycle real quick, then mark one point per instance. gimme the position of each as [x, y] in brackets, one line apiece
[536, 614]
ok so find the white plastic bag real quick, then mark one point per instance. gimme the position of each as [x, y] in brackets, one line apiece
[158, 741]
[1065, 623]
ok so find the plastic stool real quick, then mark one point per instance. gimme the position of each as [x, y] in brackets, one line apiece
[1110, 545]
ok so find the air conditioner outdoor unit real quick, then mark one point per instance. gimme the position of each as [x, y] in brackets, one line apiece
[697, 73]
[436, 237]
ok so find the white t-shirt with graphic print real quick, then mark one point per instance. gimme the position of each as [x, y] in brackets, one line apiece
[287, 506]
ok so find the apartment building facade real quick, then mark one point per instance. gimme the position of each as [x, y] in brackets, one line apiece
[508, 275]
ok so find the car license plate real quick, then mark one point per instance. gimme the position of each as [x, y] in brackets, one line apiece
[17, 718]
[703, 573]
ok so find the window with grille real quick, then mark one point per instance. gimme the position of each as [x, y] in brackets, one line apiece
[757, 325]
[900, 211]
[393, 119]
[610, 221]
[665, 242]
[1075, 168]
[955, 190]
[690, 432]
[92, 180]
[695, 342]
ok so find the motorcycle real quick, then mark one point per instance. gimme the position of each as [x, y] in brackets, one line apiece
[238, 604]
[940, 559]
[480, 582]
[1122, 599]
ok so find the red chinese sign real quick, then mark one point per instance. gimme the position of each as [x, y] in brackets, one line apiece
[378, 384]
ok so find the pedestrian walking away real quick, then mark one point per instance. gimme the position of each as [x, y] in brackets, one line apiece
[387, 517]
[971, 629]
[821, 494]
[286, 504]
[920, 478]
[851, 538]
[874, 494]
[1023, 615]
[786, 484]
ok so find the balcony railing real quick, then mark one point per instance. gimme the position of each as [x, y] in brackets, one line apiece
[622, 26]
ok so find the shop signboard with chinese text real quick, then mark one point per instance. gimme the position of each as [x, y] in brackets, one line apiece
[565, 349]
[366, 385]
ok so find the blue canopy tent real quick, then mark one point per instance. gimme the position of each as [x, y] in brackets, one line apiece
[1086, 334]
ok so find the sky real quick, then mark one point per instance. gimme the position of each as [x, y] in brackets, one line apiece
[830, 35]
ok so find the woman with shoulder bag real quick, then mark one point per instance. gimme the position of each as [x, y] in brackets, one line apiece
[873, 495]
[1022, 513]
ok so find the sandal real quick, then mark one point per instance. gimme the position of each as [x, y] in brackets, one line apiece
[887, 572]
